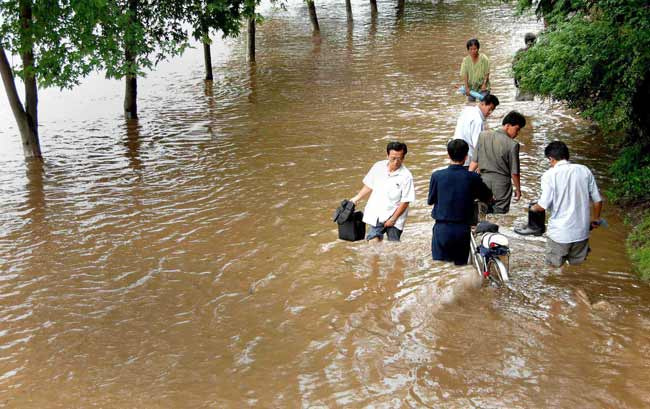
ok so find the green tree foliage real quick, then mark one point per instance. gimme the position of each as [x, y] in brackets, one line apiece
[594, 55]
[222, 15]
[138, 34]
[55, 43]
[151, 30]
[61, 35]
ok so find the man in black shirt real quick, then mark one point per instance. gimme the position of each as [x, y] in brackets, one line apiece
[452, 192]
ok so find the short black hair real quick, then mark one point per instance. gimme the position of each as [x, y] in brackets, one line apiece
[490, 99]
[473, 41]
[514, 118]
[457, 150]
[396, 146]
[557, 150]
[530, 38]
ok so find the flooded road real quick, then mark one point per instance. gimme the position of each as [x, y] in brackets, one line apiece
[189, 260]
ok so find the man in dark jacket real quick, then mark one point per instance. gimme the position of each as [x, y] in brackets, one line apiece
[452, 192]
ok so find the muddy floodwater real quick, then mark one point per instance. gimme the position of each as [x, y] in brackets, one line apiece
[189, 260]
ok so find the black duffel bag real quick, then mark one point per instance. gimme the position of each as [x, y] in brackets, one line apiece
[351, 225]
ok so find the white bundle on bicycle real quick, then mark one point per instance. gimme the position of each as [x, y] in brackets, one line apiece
[495, 244]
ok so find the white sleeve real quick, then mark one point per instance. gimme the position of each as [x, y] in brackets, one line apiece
[476, 127]
[593, 189]
[369, 179]
[408, 192]
[546, 199]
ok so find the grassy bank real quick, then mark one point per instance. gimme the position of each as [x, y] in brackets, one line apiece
[638, 246]
[631, 190]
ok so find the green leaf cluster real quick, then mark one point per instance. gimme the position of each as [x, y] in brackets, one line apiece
[638, 245]
[71, 38]
[62, 35]
[223, 15]
[595, 56]
[631, 173]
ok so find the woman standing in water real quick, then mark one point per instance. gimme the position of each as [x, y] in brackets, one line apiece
[475, 70]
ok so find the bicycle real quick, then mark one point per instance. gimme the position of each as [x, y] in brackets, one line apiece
[489, 249]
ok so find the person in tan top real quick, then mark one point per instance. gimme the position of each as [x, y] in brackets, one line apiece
[497, 160]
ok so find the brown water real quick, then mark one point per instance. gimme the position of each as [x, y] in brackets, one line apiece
[189, 260]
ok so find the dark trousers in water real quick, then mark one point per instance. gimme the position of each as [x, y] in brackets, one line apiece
[450, 242]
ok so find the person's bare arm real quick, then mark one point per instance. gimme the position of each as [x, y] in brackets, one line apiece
[473, 166]
[516, 181]
[595, 221]
[466, 80]
[398, 212]
[363, 193]
[485, 81]
[537, 208]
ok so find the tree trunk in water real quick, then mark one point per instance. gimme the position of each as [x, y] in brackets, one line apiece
[207, 57]
[31, 92]
[251, 39]
[131, 97]
[312, 16]
[373, 6]
[31, 146]
[348, 9]
[131, 79]
[400, 8]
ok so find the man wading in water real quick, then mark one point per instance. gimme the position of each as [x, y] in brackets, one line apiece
[452, 192]
[567, 192]
[390, 186]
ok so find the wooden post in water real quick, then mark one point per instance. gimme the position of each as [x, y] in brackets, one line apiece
[348, 10]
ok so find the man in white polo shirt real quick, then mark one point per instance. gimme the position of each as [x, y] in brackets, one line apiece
[470, 123]
[390, 186]
[567, 191]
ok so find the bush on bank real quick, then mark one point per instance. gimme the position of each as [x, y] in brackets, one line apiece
[638, 246]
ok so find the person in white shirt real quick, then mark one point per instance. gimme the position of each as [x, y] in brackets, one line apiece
[390, 186]
[470, 122]
[568, 190]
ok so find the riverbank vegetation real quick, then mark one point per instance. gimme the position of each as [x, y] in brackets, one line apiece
[594, 55]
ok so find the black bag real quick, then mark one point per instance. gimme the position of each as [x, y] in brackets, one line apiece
[353, 229]
[343, 212]
[487, 227]
[351, 225]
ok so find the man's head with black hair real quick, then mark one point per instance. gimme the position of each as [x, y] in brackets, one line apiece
[557, 150]
[457, 150]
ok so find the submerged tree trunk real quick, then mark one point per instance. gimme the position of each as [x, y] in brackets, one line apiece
[400, 8]
[348, 9]
[373, 7]
[207, 57]
[28, 134]
[131, 93]
[131, 79]
[312, 16]
[251, 39]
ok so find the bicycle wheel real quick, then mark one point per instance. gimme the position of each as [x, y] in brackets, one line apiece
[497, 270]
